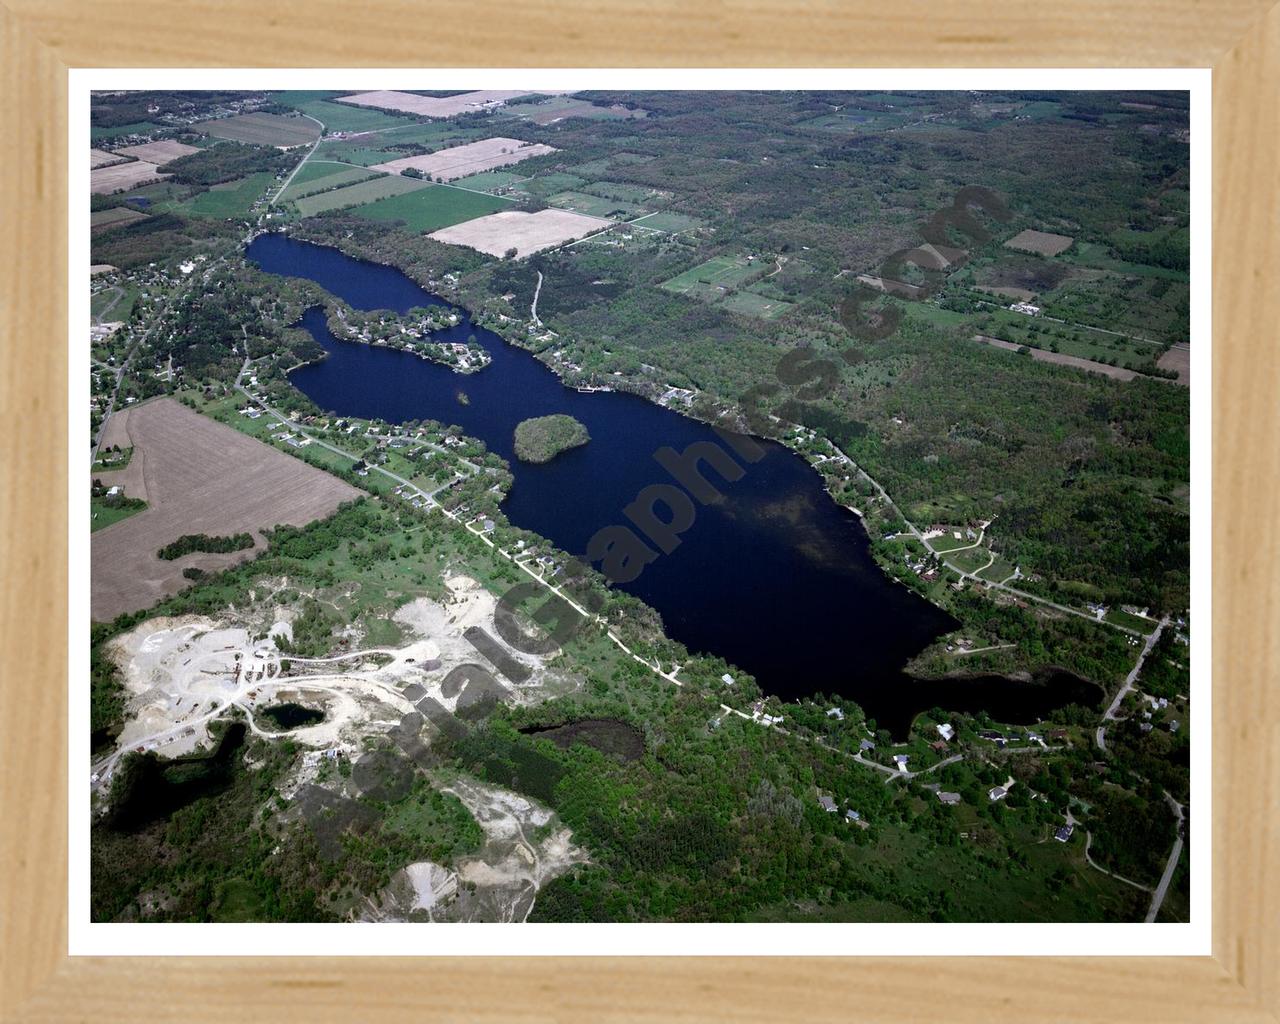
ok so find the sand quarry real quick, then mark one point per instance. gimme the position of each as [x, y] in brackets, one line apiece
[183, 673]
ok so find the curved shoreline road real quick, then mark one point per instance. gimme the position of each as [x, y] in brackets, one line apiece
[533, 310]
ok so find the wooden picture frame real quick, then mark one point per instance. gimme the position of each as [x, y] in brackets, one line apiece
[42, 39]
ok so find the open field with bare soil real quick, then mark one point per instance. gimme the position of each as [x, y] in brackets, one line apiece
[197, 476]
[1042, 242]
[1118, 372]
[122, 177]
[265, 130]
[1178, 359]
[159, 153]
[101, 158]
[471, 158]
[527, 233]
[116, 215]
[433, 106]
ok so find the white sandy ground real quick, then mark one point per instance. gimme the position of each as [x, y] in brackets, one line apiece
[499, 883]
[183, 673]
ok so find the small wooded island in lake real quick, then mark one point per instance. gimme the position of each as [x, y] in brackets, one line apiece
[542, 438]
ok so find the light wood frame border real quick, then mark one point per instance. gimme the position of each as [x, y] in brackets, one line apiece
[41, 39]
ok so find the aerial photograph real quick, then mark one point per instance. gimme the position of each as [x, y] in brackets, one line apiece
[638, 506]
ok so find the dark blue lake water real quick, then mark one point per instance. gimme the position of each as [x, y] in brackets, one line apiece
[776, 578]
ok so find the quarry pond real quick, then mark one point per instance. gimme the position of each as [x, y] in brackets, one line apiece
[775, 578]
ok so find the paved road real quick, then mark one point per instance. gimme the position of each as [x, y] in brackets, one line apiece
[314, 146]
[533, 310]
[1100, 736]
[1158, 897]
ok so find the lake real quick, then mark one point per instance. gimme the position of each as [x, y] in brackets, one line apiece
[776, 578]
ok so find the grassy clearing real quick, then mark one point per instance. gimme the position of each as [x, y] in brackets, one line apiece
[330, 175]
[549, 184]
[137, 128]
[102, 514]
[1119, 618]
[359, 195]
[971, 560]
[343, 117]
[710, 280]
[230, 199]
[593, 206]
[998, 571]
[617, 190]
[429, 209]
[488, 181]
[751, 304]
[672, 222]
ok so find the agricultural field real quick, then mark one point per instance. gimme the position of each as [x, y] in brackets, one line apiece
[620, 190]
[101, 158]
[429, 209]
[122, 177]
[337, 117]
[594, 206]
[490, 181]
[100, 133]
[544, 185]
[433, 106]
[750, 304]
[670, 222]
[1062, 359]
[197, 476]
[264, 130]
[158, 153]
[526, 233]
[469, 158]
[320, 176]
[100, 219]
[712, 279]
[229, 199]
[359, 150]
[358, 195]
[561, 108]
[1177, 359]
[1042, 243]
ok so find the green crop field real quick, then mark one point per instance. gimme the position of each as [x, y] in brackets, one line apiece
[617, 190]
[549, 184]
[230, 199]
[358, 195]
[361, 152]
[343, 117]
[593, 206]
[751, 304]
[487, 181]
[709, 280]
[326, 176]
[264, 129]
[101, 514]
[429, 209]
[137, 128]
[673, 222]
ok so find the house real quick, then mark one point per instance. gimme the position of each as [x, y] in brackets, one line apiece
[828, 804]
[727, 679]
[997, 793]
[113, 491]
[835, 713]
[1025, 307]
[1064, 833]
[940, 746]
[947, 731]
[901, 761]
[866, 745]
[948, 798]
[852, 815]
